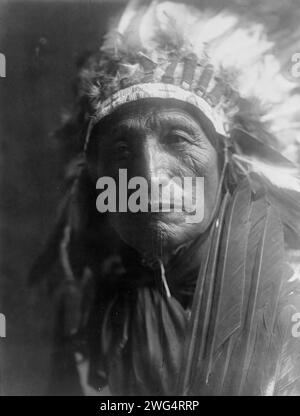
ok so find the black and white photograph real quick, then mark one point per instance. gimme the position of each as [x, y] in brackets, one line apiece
[150, 200]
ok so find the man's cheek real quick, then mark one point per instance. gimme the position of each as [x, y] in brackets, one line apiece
[198, 163]
[197, 198]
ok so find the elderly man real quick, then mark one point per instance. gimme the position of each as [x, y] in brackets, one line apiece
[178, 306]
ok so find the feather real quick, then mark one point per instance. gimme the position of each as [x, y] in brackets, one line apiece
[286, 380]
[228, 294]
[237, 304]
[256, 147]
[287, 202]
[70, 211]
[259, 68]
[284, 343]
[281, 177]
[247, 373]
[128, 15]
[199, 321]
[230, 279]
[50, 252]
[265, 283]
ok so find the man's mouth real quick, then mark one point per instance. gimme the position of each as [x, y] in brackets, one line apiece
[165, 206]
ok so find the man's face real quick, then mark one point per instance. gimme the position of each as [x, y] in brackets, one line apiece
[156, 142]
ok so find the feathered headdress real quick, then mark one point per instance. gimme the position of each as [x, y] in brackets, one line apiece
[228, 65]
[221, 62]
[233, 64]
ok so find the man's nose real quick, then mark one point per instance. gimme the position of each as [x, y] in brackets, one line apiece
[155, 161]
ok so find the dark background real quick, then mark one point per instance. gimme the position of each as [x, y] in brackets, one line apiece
[42, 42]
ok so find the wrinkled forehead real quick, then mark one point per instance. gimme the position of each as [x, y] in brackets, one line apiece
[156, 115]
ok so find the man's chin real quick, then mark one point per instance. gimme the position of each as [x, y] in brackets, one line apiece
[161, 234]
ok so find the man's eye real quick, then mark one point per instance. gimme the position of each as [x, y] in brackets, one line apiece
[176, 138]
[122, 150]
